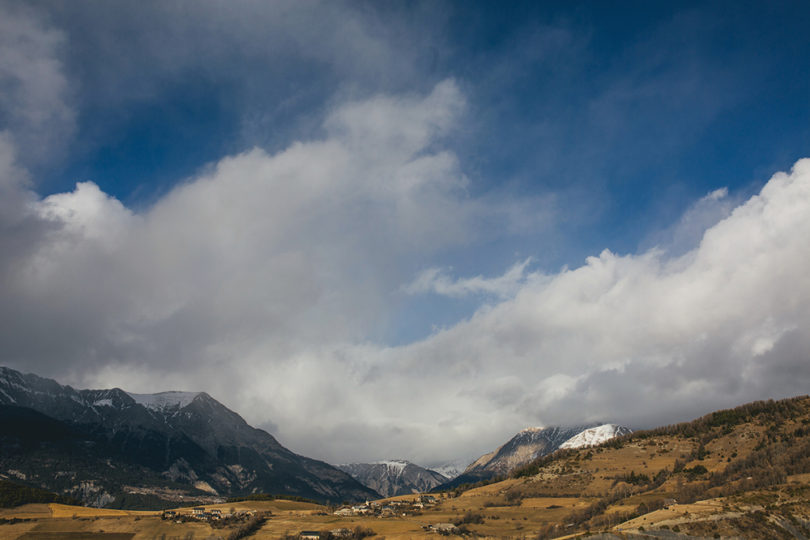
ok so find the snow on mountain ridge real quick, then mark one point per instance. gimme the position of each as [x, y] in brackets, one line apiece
[595, 435]
[396, 466]
[164, 400]
[532, 429]
[453, 468]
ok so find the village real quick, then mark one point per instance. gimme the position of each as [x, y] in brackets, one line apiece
[391, 508]
[400, 507]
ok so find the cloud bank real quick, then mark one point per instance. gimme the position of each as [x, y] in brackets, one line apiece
[262, 280]
[270, 279]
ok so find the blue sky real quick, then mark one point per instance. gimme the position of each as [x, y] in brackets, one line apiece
[389, 176]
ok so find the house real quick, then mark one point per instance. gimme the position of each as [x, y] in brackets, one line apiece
[344, 512]
[309, 535]
[198, 512]
[427, 499]
[447, 528]
[169, 514]
[360, 509]
[340, 533]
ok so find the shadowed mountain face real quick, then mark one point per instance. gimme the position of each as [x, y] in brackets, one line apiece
[395, 477]
[110, 447]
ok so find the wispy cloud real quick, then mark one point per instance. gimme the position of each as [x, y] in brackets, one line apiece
[437, 280]
[34, 89]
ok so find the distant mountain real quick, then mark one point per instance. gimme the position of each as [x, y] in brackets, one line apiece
[528, 445]
[596, 435]
[452, 469]
[522, 448]
[395, 477]
[113, 448]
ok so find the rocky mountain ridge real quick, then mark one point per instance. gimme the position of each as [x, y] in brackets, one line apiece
[97, 444]
[394, 477]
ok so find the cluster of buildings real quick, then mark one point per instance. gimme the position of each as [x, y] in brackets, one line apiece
[212, 514]
[387, 509]
[316, 535]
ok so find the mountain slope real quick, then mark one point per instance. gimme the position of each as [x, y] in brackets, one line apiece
[742, 472]
[527, 445]
[101, 443]
[396, 477]
[522, 448]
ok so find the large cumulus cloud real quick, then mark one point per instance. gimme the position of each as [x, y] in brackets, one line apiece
[260, 273]
[270, 278]
[643, 339]
[262, 281]
[647, 338]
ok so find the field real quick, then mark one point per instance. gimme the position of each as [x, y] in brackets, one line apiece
[743, 473]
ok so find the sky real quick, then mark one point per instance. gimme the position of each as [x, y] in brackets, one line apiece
[388, 230]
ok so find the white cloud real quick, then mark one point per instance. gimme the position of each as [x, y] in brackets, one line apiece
[642, 339]
[263, 269]
[437, 281]
[264, 280]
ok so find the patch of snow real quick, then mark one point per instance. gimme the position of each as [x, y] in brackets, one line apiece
[594, 436]
[17, 385]
[532, 429]
[395, 466]
[8, 397]
[103, 403]
[164, 400]
[205, 486]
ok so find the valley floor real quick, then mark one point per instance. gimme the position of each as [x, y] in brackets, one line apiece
[781, 511]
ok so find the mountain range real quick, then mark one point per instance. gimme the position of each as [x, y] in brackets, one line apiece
[118, 449]
[399, 477]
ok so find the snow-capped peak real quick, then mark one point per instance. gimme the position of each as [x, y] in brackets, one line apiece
[164, 400]
[595, 435]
